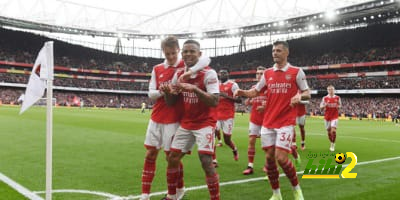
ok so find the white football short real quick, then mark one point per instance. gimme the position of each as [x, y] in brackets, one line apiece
[184, 140]
[160, 135]
[332, 123]
[280, 138]
[301, 120]
[225, 125]
[254, 129]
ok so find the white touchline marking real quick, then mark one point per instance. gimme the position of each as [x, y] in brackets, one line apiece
[80, 191]
[33, 196]
[130, 197]
[19, 188]
[361, 138]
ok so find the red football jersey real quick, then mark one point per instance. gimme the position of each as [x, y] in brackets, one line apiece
[281, 85]
[161, 112]
[257, 117]
[332, 104]
[301, 110]
[196, 114]
[226, 107]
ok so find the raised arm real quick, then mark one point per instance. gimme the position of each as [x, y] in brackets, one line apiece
[203, 62]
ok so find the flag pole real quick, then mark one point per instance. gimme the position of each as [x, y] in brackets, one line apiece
[34, 91]
[49, 139]
[49, 122]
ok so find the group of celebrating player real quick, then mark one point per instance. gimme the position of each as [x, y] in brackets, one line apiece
[193, 106]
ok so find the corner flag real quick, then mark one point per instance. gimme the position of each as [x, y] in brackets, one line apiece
[34, 91]
[36, 85]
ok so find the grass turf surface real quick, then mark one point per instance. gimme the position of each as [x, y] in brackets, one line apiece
[101, 150]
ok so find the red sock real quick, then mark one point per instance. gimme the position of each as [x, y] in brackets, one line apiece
[180, 183]
[334, 136]
[273, 174]
[148, 172]
[213, 186]
[251, 152]
[172, 176]
[290, 172]
[303, 133]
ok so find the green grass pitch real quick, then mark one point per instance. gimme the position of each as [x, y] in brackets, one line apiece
[101, 150]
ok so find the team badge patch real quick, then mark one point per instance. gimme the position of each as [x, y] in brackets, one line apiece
[288, 76]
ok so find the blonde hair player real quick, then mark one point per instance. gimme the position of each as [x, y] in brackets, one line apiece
[331, 104]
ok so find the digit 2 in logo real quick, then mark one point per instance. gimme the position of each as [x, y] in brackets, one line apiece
[326, 170]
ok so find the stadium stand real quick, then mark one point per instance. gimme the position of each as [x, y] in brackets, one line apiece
[363, 58]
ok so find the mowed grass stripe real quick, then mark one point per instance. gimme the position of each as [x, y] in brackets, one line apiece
[102, 150]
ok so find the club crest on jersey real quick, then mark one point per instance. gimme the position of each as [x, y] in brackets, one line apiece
[162, 75]
[288, 76]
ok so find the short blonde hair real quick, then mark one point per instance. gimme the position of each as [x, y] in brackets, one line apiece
[170, 41]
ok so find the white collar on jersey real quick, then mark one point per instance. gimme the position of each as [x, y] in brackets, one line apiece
[285, 68]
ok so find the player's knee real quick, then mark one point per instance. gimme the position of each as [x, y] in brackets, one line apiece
[252, 142]
[206, 164]
[269, 154]
[174, 157]
[281, 157]
[152, 154]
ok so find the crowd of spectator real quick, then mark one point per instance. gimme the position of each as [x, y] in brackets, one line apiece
[378, 42]
[362, 106]
[80, 83]
[379, 82]
[352, 106]
[17, 46]
[10, 95]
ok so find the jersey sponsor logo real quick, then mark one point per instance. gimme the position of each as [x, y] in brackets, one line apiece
[190, 97]
[279, 88]
[164, 82]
